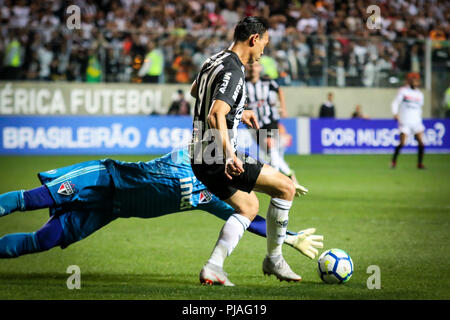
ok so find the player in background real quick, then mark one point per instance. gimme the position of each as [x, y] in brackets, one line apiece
[407, 110]
[85, 197]
[220, 94]
[262, 96]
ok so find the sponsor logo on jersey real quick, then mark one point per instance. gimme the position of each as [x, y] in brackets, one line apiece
[238, 88]
[205, 197]
[411, 99]
[66, 188]
[186, 187]
[226, 80]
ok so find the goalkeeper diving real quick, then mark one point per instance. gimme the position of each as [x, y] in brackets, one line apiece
[85, 197]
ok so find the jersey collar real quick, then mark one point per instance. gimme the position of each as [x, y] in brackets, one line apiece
[235, 56]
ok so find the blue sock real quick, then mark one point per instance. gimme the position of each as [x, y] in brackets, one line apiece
[50, 235]
[258, 226]
[18, 244]
[38, 198]
[12, 201]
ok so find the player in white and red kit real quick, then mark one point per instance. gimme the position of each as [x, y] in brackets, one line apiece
[407, 110]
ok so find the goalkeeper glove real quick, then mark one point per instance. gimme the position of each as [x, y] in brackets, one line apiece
[306, 242]
[300, 190]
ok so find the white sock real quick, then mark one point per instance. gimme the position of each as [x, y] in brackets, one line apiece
[229, 236]
[276, 221]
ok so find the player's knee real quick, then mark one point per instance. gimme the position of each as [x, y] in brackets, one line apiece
[286, 189]
[290, 189]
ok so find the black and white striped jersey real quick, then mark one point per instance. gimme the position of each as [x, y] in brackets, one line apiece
[262, 99]
[222, 77]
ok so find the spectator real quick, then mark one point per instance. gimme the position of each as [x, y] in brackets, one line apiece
[153, 65]
[338, 74]
[20, 14]
[447, 102]
[94, 70]
[358, 114]
[315, 68]
[229, 14]
[327, 109]
[369, 73]
[112, 65]
[383, 69]
[183, 67]
[78, 61]
[204, 26]
[180, 106]
[6, 12]
[215, 18]
[12, 59]
[32, 72]
[277, 28]
[269, 64]
[307, 22]
[45, 57]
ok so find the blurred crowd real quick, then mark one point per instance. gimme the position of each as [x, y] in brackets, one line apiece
[315, 43]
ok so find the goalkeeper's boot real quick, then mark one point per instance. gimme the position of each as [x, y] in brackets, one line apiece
[212, 274]
[420, 166]
[279, 268]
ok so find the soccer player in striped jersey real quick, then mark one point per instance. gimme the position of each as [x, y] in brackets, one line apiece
[220, 94]
[262, 96]
[407, 110]
[85, 197]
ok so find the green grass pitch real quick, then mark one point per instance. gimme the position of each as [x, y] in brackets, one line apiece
[395, 219]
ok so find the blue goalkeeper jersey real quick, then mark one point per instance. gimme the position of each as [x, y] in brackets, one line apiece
[162, 186]
[91, 194]
[132, 189]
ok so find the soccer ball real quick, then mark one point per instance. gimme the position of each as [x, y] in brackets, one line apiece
[335, 266]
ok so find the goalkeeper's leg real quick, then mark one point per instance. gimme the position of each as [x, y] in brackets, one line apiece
[18, 244]
[22, 200]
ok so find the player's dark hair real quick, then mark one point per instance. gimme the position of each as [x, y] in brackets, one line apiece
[248, 26]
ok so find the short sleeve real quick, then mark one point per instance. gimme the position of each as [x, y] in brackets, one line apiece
[229, 83]
[274, 86]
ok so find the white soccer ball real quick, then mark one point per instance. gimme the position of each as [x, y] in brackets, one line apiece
[335, 266]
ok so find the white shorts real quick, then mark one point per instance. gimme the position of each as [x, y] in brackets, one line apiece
[411, 127]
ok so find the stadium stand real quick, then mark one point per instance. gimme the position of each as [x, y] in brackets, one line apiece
[313, 43]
